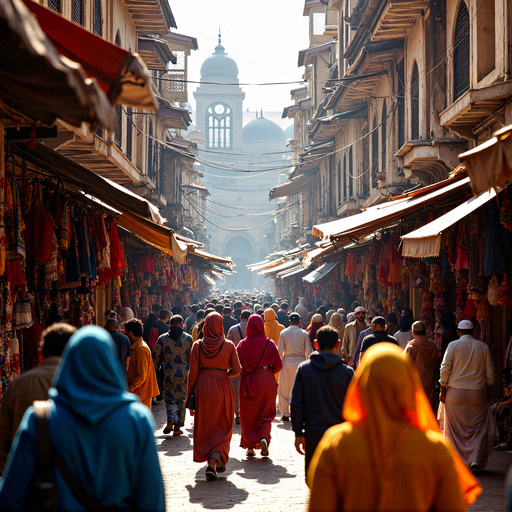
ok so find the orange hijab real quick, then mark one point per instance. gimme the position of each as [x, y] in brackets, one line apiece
[272, 327]
[213, 334]
[385, 398]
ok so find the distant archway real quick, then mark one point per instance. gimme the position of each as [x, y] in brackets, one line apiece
[240, 250]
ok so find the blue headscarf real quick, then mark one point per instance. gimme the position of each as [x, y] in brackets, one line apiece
[88, 381]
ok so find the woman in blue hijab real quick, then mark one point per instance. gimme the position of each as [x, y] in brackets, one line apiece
[103, 433]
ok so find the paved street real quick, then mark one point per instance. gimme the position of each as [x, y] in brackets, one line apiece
[273, 483]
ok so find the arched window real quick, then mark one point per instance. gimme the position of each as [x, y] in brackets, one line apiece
[345, 181]
[375, 152]
[97, 22]
[54, 5]
[383, 139]
[78, 12]
[461, 52]
[219, 123]
[350, 174]
[150, 150]
[415, 103]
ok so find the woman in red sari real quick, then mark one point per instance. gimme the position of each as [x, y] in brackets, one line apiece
[258, 388]
[212, 361]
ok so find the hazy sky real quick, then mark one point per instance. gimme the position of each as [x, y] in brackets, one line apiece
[262, 36]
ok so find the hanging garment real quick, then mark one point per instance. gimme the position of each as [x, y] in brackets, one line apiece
[14, 225]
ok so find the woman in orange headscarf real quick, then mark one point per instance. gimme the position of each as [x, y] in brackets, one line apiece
[272, 327]
[389, 453]
[212, 361]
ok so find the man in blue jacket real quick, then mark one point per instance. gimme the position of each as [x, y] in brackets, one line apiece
[318, 393]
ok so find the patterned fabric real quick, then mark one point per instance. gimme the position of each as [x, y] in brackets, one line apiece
[174, 358]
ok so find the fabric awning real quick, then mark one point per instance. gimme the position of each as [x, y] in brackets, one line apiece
[376, 217]
[208, 279]
[264, 264]
[39, 85]
[489, 165]
[426, 241]
[320, 272]
[292, 271]
[282, 266]
[212, 257]
[104, 189]
[294, 186]
[120, 74]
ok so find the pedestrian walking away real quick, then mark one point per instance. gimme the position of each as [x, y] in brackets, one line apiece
[391, 441]
[294, 347]
[101, 433]
[318, 393]
[141, 374]
[172, 355]
[32, 385]
[467, 374]
[212, 362]
[258, 388]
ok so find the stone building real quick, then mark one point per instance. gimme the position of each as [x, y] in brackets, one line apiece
[237, 168]
[396, 91]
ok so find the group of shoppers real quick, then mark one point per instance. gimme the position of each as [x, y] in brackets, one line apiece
[376, 425]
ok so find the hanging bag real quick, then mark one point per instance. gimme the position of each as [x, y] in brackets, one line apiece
[492, 291]
[190, 404]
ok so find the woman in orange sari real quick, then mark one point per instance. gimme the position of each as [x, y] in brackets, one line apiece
[389, 453]
[212, 361]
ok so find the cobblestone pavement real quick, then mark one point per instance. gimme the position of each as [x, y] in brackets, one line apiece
[267, 484]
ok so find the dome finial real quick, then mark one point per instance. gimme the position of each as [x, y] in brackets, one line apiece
[261, 112]
[219, 36]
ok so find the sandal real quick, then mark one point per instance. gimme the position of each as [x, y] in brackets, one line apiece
[177, 432]
[211, 474]
[250, 453]
[169, 427]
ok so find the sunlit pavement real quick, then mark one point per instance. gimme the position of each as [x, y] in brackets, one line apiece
[267, 484]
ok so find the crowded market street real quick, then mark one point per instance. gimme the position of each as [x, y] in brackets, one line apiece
[268, 484]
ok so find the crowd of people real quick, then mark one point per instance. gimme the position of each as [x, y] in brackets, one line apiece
[368, 397]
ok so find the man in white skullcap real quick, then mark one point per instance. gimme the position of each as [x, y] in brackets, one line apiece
[467, 374]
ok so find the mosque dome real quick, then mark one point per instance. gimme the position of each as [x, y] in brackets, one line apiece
[261, 129]
[288, 132]
[219, 65]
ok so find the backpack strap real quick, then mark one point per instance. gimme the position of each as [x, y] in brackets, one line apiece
[47, 457]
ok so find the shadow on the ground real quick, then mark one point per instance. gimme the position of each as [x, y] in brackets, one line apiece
[261, 469]
[175, 446]
[285, 426]
[220, 494]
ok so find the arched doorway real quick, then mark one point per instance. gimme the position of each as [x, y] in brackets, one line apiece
[240, 250]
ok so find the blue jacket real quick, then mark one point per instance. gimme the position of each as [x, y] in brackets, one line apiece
[104, 434]
[318, 394]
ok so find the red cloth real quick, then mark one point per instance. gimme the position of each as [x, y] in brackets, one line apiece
[213, 334]
[215, 401]
[311, 329]
[257, 413]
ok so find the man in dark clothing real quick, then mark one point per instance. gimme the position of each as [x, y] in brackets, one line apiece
[379, 335]
[122, 344]
[237, 310]
[227, 320]
[163, 322]
[318, 393]
[282, 315]
[192, 318]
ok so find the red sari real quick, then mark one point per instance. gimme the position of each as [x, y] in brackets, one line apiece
[258, 388]
[214, 396]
